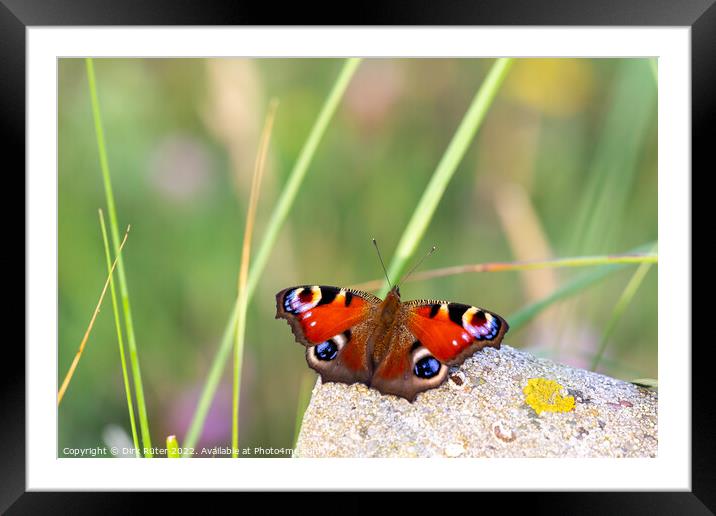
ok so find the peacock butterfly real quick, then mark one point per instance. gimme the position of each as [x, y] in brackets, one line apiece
[396, 347]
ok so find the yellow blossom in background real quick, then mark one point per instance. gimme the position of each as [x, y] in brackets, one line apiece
[556, 87]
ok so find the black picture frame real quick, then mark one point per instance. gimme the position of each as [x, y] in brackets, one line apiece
[17, 15]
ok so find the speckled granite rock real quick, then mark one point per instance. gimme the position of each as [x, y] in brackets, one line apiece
[488, 407]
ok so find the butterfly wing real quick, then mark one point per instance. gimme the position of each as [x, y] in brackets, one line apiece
[334, 324]
[405, 366]
[451, 332]
[426, 338]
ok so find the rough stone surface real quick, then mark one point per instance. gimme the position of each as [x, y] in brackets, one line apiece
[480, 411]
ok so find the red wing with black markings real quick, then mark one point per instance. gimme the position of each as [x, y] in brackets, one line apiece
[407, 368]
[453, 331]
[430, 337]
[334, 324]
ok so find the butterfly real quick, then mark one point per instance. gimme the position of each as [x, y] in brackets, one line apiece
[396, 347]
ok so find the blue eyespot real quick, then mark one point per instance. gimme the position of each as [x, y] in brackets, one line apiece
[326, 350]
[427, 367]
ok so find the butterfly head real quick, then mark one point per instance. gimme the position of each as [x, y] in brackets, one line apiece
[390, 306]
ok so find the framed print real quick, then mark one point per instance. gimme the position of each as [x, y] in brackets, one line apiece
[279, 254]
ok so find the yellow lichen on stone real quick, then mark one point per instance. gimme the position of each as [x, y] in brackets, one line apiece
[545, 395]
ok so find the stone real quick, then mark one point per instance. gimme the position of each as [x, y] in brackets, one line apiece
[498, 403]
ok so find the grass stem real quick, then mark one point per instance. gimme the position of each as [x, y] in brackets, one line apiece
[276, 221]
[78, 355]
[308, 380]
[579, 261]
[172, 447]
[527, 313]
[120, 340]
[123, 289]
[244, 272]
[619, 308]
[454, 153]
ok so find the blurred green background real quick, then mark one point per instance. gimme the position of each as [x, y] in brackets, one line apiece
[565, 164]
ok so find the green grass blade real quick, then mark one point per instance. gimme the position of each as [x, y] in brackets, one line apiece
[624, 370]
[238, 366]
[619, 308]
[654, 65]
[83, 343]
[278, 217]
[172, 447]
[612, 172]
[304, 397]
[575, 261]
[529, 312]
[649, 383]
[446, 168]
[288, 195]
[120, 340]
[244, 272]
[123, 290]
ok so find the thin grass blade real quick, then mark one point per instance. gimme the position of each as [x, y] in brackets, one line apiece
[578, 261]
[85, 338]
[454, 153]
[120, 340]
[649, 383]
[173, 447]
[278, 217]
[619, 308]
[123, 289]
[244, 272]
[308, 380]
[529, 312]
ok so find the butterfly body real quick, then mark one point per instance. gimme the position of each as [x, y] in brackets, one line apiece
[396, 347]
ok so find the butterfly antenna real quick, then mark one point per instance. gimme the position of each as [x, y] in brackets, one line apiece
[432, 250]
[381, 263]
